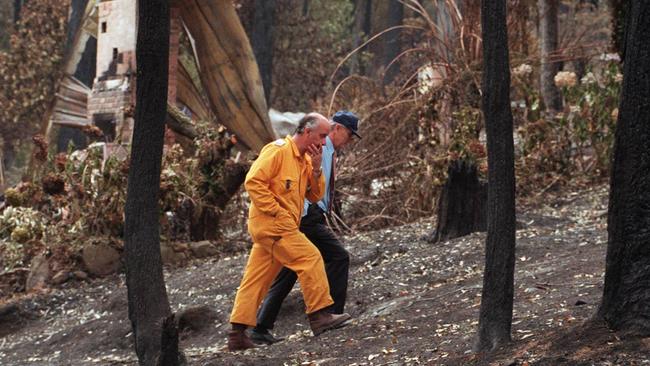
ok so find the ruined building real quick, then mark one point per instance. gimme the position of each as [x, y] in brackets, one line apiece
[212, 72]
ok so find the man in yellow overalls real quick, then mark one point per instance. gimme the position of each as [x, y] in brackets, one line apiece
[277, 183]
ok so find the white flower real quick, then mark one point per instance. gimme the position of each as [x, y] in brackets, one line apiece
[430, 77]
[588, 79]
[565, 78]
[522, 70]
[618, 77]
[610, 57]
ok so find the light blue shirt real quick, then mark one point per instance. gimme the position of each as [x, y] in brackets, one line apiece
[326, 166]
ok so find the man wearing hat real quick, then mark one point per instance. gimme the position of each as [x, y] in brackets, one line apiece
[343, 126]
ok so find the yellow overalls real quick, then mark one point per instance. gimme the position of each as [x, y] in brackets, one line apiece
[277, 184]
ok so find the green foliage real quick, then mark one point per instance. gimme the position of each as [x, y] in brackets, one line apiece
[591, 104]
[80, 196]
[464, 143]
[579, 139]
[18, 225]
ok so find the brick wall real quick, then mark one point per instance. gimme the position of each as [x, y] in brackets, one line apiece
[117, 91]
[112, 96]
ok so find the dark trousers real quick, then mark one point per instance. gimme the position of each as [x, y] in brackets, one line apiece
[337, 264]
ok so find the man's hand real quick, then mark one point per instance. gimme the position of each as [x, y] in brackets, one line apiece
[316, 153]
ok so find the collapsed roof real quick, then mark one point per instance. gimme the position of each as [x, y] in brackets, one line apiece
[228, 86]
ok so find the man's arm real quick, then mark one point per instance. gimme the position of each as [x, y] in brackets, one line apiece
[258, 181]
[315, 185]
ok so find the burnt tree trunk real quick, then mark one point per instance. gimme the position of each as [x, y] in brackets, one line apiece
[462, 203]
[156, 338]
[18, 5]
[548, 42]
[394, 42]
[619, 11]
[360, 29]
[262, 41]
[495, 318]
[626, 296]
[385, 15]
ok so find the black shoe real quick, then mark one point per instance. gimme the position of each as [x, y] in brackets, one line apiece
[263, 337]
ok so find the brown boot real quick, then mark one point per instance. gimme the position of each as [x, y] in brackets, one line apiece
[321, 321]
[238, 339]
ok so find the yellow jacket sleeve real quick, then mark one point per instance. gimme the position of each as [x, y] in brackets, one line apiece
[258, 181]
[315, 187]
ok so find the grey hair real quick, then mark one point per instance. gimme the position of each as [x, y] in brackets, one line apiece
[308, 121]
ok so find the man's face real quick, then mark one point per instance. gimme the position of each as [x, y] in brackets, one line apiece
[318, 133]
[340, 135]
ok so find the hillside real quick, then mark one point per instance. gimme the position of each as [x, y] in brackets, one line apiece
[414, 303]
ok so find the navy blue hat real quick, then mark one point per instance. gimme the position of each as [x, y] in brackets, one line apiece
[347, 119]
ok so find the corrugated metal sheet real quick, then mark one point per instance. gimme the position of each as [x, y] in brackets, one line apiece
[71, 107]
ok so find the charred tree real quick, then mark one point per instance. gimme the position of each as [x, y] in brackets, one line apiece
[626, 295]
[18, 5]
[156, 338]
[495, 317]
[619, 10]
[262, 41]
[386, 48]
[393, 44]
[548, 43]
[360, 29]
[461, 208]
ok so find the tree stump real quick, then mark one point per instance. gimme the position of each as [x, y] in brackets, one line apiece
[462, 203]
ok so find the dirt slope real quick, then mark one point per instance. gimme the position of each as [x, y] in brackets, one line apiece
[414, 303]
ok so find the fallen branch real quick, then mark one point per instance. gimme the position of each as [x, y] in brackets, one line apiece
[180, 123]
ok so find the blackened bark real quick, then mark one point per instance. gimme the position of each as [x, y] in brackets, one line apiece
[385, 15]
[626, 296]
[367, 20]
[149, 310]
[462, 203]
[393, 43]
[548, 43]
[495, 317]
[262, 41]
[18, 5]
[359, 29]
[619, 11]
